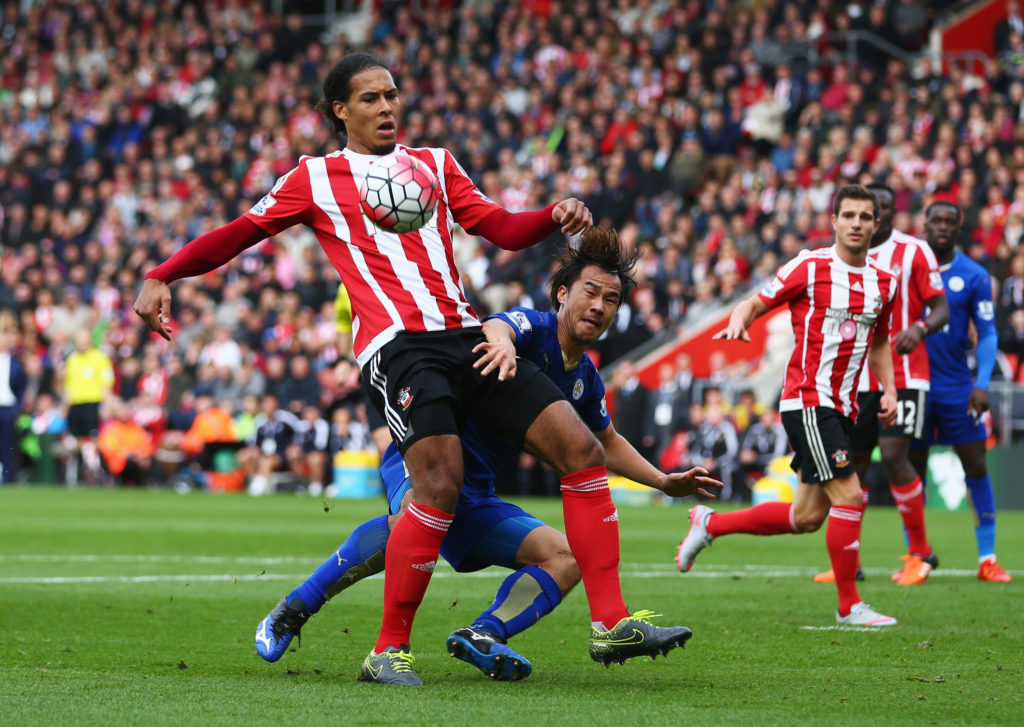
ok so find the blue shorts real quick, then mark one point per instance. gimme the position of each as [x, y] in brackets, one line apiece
[486, 530]
[950, 424]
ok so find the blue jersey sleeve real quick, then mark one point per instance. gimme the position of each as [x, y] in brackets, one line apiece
[983, 315]
[530, 327]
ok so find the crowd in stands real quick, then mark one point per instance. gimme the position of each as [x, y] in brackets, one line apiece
[700, 130]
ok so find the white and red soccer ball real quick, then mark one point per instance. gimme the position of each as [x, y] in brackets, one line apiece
[399, 193]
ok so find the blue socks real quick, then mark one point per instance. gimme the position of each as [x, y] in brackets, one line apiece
[361, 555]
[523, 599]
[984, 502]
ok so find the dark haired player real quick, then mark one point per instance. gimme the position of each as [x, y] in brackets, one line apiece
[958, 399]
[417, 341]
[586, 291]
[840, 306]
[920, 290]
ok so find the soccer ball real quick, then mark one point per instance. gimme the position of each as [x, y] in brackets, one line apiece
[399, 193]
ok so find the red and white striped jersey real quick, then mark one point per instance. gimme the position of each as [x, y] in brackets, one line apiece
[913, 263]
[397, 282]
[836, 310]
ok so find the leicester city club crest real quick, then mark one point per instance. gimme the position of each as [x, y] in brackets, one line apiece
[577, 390]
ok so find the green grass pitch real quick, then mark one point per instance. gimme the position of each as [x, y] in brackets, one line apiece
[139, 608]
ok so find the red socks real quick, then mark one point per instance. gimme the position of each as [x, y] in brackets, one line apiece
[842, 538]
[592, 527]
[768, 518]
[910, 502]
[409, 562]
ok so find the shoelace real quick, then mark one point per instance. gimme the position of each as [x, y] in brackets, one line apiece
[401, 661]
[645, 616]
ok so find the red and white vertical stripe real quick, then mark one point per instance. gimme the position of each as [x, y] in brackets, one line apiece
[397, 282]
[913, 262]
[834, 309]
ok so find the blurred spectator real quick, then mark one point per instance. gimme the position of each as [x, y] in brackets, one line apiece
[1011, 340]
[299, 386]
[762, 442]
[348, 434]
[127, 449]
[88, 379]
[667, 408]
[12, 390]
[70, 317]
[713, 445]
[268, 445]
[308, 455]
[632, 402]
[1012, 296]
[1014, 23]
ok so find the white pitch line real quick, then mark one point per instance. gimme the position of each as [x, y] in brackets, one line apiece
[149, 559]
[844, 627]
[218, 577]
[639, 570]
[762, 571]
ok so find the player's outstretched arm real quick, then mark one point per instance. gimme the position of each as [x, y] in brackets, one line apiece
[520, 230]
[745, 313]
[880, 361]
[622, 457]
[205, 253]
[499, 350]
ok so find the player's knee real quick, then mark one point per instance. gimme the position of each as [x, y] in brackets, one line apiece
[588, 453]
[435, 466]
[975, 469]
[441, 492]
[808, 521]
[896, 464]
[562, 567]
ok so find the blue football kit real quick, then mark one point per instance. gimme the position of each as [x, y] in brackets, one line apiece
[969, 293]
[487, 530]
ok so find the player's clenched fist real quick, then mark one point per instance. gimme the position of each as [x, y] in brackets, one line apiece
[573, 216]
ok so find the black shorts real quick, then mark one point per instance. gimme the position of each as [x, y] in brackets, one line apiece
[910, 416]
[84, 419]
[820, 436]
[424, 384]
[373, 417]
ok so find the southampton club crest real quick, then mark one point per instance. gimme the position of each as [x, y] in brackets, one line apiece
[841, 457]
[405, 398]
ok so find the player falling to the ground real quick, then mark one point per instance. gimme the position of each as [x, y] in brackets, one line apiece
[920, 290]
[958, 399]
[588, 287]
[840, 306]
